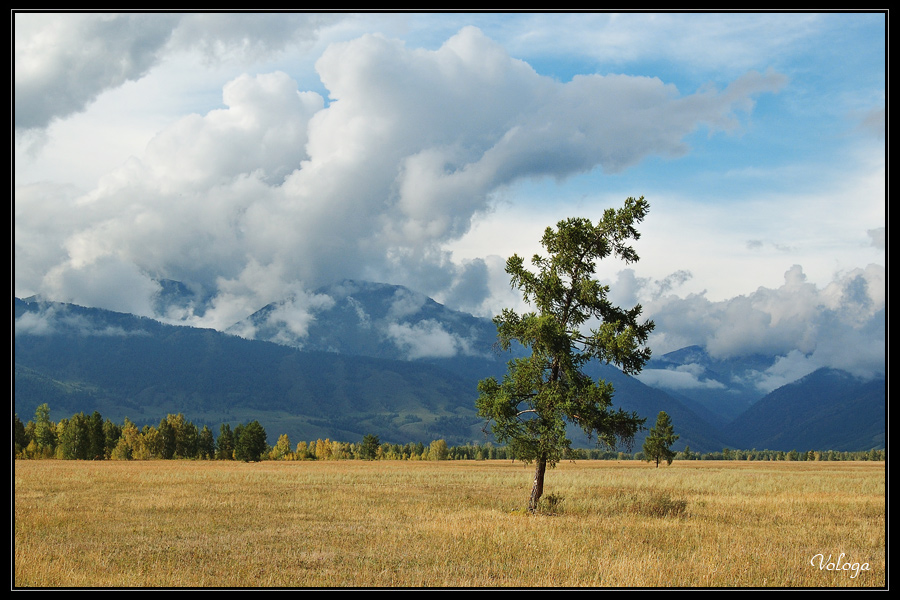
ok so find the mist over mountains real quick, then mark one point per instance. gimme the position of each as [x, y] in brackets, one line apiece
[383, 359]
[720, 389]
[372, 319]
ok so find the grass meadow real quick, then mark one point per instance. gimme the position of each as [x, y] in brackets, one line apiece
[448, 524]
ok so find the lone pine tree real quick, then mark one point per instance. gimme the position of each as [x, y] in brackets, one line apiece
[541, 393]
[658, 444]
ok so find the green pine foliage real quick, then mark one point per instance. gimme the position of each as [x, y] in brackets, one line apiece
[658, 444]
[369, 448]
[250, 442]
[206, 444]
[530, 408]
[225, 445]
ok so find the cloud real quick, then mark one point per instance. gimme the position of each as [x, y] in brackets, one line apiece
[52, 319]
[63, 62]
[247, 37]
[291, 318]
[683, 377]
[283, 187]
[263, 131]
[108, 281]
[471, 287]
[629, 290]
[786, 369]
[840, 325]
[425, 339]
[739, 40]
[878, 237]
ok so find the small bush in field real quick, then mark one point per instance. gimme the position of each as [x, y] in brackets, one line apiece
[658, 504]
[551, 504]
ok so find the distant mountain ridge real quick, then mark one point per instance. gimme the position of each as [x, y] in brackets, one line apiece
[83, 359]
[372, 319]
[380, 359]
[825, 409]
[722, 389]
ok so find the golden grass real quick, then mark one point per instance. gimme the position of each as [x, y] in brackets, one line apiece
[446, 524]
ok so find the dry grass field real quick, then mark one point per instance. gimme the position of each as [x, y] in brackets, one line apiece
[448, 524]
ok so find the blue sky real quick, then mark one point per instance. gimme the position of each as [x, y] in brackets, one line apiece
[257, 157]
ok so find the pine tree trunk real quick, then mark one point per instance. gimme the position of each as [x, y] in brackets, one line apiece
[537, 489]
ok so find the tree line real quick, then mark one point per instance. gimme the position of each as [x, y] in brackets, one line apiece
[91, 437]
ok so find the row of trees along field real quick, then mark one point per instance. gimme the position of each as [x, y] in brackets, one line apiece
[82, 437]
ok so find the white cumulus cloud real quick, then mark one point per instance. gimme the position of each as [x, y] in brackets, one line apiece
[283, 187]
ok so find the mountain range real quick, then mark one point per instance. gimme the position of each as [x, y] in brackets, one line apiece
[355, 358]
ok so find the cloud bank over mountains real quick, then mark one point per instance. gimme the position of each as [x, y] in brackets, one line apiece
[841, 326]
[283, 188]
[278, 188]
